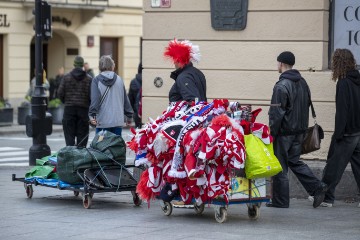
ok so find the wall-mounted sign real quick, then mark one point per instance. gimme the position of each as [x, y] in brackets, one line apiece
[3, 21]
[62, 20]
[90, 41]
[346, 24]
[228, 14]
[160, 3]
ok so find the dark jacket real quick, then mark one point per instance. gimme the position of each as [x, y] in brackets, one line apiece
[190, 83]
[347, 118]
[74, 89]
[292, 116]
[134, 91]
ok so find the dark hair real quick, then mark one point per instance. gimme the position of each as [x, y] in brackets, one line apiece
[342, 61]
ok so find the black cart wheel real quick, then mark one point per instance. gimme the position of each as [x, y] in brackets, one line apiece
[29, 191]
[199, 209]
[167, 208]
[76, 193]
[87, 200]
[137, 201]
[254, 212]
[221, 214]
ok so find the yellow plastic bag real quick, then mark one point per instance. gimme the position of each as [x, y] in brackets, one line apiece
[260, 159]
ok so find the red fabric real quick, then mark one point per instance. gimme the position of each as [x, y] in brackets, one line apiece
[178, 52]
[142, 189]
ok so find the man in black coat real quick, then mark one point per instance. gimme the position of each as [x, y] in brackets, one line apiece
[190, 82]
[135, 96]
[74, 92]
[288, 123]
[345, 143]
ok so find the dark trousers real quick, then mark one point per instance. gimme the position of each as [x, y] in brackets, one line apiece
[137, 120]
[76, 125]
[114, 130]
[340, 154]
[288, 150]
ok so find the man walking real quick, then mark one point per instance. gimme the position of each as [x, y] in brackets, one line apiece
[74, 92]
[288, 123]
[110, 106]
[345, 143]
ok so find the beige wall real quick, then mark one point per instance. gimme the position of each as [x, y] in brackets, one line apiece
[241, 65]
[123, 22]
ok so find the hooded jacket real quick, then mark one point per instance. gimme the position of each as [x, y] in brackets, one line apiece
[116, 104]
[293, 95]
[190, 83]
[74, 89]
[347, 117]
[134, 90]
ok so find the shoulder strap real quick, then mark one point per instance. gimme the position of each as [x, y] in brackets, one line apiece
[106, 91]
[311, 104]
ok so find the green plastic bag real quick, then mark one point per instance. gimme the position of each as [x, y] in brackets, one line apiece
[260, 160]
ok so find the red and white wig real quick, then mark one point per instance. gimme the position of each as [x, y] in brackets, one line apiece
[182, 52]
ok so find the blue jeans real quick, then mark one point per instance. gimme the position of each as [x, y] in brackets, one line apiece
[114, 130]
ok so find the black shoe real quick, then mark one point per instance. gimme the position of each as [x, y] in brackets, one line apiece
[319, 194]
[270, 204]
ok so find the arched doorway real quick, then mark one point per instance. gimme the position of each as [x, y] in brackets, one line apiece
[58, 52]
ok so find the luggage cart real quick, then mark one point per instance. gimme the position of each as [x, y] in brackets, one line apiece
[244, 191]
[87, 189]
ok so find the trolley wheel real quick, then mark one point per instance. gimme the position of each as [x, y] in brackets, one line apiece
[87, 200]
[254, 212]
[221, 214]
[29, 191]
[199, 209]
[137, 201]
[76, 193]
[167, 208]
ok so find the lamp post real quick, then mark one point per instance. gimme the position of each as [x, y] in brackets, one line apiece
[39, 124]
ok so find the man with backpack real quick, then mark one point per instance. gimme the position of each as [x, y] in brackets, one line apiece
[134, 95]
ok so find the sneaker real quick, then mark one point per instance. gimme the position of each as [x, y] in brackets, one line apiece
[319, 194]
[323, 204]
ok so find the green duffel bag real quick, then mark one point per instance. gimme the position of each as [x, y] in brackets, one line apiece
[106, 149]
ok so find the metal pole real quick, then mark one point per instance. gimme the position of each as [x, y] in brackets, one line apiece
[39, 148]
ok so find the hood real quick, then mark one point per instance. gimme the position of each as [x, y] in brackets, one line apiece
[78, 73]
[177, 72]
[291, 74]
[107, 78]
[354, 76]
[139, 78]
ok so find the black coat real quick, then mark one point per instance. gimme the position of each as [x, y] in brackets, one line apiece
[190, 83]
[347, 118]
[292, 116]
[134, 90]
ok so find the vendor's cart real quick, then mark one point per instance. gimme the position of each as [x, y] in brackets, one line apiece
[244, 191]
[126, 182]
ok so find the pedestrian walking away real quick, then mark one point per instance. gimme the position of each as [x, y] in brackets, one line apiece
[190, 82]
[74, 92]
[345, 143]
[134, 95]
[288, 123]
[110, 106]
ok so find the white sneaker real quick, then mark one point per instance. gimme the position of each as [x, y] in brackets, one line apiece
[323, 204]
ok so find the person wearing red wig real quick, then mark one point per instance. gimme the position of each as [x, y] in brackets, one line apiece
[190, 82]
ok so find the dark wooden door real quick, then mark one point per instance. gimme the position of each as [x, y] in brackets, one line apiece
[109, 46]
[1, 67]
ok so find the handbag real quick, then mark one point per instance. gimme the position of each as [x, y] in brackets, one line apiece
[260, 159]
[313, 135]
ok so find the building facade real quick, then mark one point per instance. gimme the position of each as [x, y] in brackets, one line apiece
[241, 64]
[89, 28]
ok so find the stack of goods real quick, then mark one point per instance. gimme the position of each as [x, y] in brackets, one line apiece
[192, 150]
